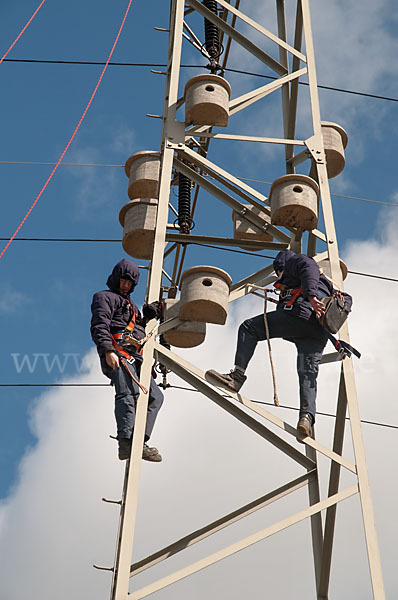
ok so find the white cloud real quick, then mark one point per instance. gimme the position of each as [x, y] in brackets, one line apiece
[53, 525]
[98, 188]
[351, 46]
[11, 300]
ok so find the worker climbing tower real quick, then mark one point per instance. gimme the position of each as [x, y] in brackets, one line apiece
[298, 209]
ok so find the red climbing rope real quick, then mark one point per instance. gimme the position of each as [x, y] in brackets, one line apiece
[26, 26]
[73, 134]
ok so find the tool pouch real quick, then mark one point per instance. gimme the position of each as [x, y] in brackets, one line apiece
[336, 312]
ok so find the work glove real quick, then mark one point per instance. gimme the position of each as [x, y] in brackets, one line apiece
[152, 310]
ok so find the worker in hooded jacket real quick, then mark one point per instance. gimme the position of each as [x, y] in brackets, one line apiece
[117, 327]
[295, 322]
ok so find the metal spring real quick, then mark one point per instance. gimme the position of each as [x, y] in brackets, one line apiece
[212, 36]
[184, 203]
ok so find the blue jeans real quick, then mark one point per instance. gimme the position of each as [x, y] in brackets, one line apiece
[309, 337]
[126, 396]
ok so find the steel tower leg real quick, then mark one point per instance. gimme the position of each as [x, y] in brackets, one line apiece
[347, 373]
[124, 547]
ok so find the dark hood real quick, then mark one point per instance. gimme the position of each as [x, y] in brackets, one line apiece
[281, 258]
[127, 269]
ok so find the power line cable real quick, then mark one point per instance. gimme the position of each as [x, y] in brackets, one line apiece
[323, 87]
[238, 71]
[324, 414]
[179, 387]
[119, 166]
[22, 31]
[54, 384]
[28, 162]
[272, 257]
[83, 240]
[73, 134]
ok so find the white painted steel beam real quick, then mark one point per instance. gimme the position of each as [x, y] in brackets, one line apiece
[233, 517]
[218, 173]
[188, 238]
[334, 481]
[124, 544]
[245, 100]
[195, 377]
[190, 373]
[278, 40]
[252, 138]
[238, 37]
[227, 199]
[347, 366]
[242, 544]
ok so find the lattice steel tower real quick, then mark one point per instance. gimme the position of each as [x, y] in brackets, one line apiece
[183, 157]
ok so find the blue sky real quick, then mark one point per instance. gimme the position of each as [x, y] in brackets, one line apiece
[46, 288]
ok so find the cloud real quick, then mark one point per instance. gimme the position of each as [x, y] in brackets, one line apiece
[99, 188]
[351, 47]
[53, 526]
[10, 299]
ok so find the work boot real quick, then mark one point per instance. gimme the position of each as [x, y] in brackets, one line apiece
[232, 380]
[151, 454]
[124, 448]
[304, 427]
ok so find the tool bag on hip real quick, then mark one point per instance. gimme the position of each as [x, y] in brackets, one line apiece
[336, 313]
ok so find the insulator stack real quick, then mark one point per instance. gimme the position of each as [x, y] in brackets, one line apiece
[204, 295]
[294, 202]
[212, 37]
[184, 203]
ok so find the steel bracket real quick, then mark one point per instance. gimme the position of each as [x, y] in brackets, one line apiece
[315, 148]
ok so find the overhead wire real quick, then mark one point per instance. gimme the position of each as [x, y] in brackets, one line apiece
[73, 134]
[179, 387]
[238, 71]
[324, 414]
[109, 63]
[3, 58]
[255, 254]
[119, 166]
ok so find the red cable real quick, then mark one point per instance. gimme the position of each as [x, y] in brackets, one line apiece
[27, 25]
[73, 134]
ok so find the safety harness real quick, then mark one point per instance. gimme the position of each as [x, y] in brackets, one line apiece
[289, 296]
[126, 338]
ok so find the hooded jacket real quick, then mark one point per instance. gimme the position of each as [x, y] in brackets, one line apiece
[302, 270]
[111, 312]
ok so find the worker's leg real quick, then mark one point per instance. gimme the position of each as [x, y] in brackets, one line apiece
[252, 331]
[155, 401]
[126, 394]
[309, 354]
[280, 324]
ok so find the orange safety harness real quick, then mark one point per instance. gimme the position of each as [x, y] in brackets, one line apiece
[126, 336]
[292, 294]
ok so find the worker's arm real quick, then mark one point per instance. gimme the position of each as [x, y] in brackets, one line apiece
[308, 272]
[100, 328]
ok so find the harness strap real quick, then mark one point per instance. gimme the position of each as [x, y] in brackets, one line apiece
[133, 377]
[292, 293]
[344, 348]
[126, 334]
